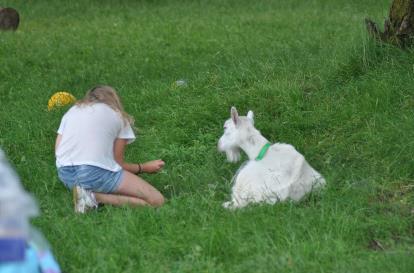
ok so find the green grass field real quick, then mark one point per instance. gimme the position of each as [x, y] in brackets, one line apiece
[308, 71]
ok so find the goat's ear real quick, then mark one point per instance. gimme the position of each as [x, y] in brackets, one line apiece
[234, 115]
[250, 116]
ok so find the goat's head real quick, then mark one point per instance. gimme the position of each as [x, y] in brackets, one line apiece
[236, 131]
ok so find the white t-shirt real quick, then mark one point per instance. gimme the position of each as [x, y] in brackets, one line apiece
[88, 135]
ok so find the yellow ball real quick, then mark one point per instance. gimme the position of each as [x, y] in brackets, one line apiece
[61, 98]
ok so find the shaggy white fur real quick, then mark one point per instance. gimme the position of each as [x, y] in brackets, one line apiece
[283, 173]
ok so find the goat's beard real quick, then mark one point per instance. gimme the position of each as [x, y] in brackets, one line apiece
[233, 155]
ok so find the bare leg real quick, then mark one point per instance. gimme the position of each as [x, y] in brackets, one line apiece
[141, 191]
[119, 200]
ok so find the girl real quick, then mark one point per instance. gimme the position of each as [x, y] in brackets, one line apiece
[90, 154]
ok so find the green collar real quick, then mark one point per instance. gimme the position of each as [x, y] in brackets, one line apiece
[263, 151]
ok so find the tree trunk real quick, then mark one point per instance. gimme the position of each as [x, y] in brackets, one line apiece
[399, 27]
[9, 19]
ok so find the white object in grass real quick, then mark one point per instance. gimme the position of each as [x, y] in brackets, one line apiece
[180, 83]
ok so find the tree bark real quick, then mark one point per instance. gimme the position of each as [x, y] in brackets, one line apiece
[398, 27]
[9, 19]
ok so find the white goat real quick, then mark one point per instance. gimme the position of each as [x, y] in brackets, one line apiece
[273, 172]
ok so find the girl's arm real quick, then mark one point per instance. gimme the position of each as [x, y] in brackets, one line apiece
[147, 167]
[57, 142]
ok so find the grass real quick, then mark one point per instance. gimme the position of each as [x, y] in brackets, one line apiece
[307, 70]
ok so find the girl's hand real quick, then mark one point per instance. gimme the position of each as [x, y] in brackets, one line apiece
[153, 166]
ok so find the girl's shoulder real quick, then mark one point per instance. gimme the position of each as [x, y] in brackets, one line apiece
[90, 106]
[104, 108]
[97, 110]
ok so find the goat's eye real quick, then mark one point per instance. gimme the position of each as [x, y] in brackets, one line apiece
[225, 127]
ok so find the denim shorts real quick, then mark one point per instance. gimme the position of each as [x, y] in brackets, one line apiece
[90, 178]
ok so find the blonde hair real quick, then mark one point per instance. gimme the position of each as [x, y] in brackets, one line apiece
[108, 95]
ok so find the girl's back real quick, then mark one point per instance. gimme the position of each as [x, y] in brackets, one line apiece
[88, 133]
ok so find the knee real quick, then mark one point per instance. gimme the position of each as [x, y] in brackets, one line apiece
[157, 200]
